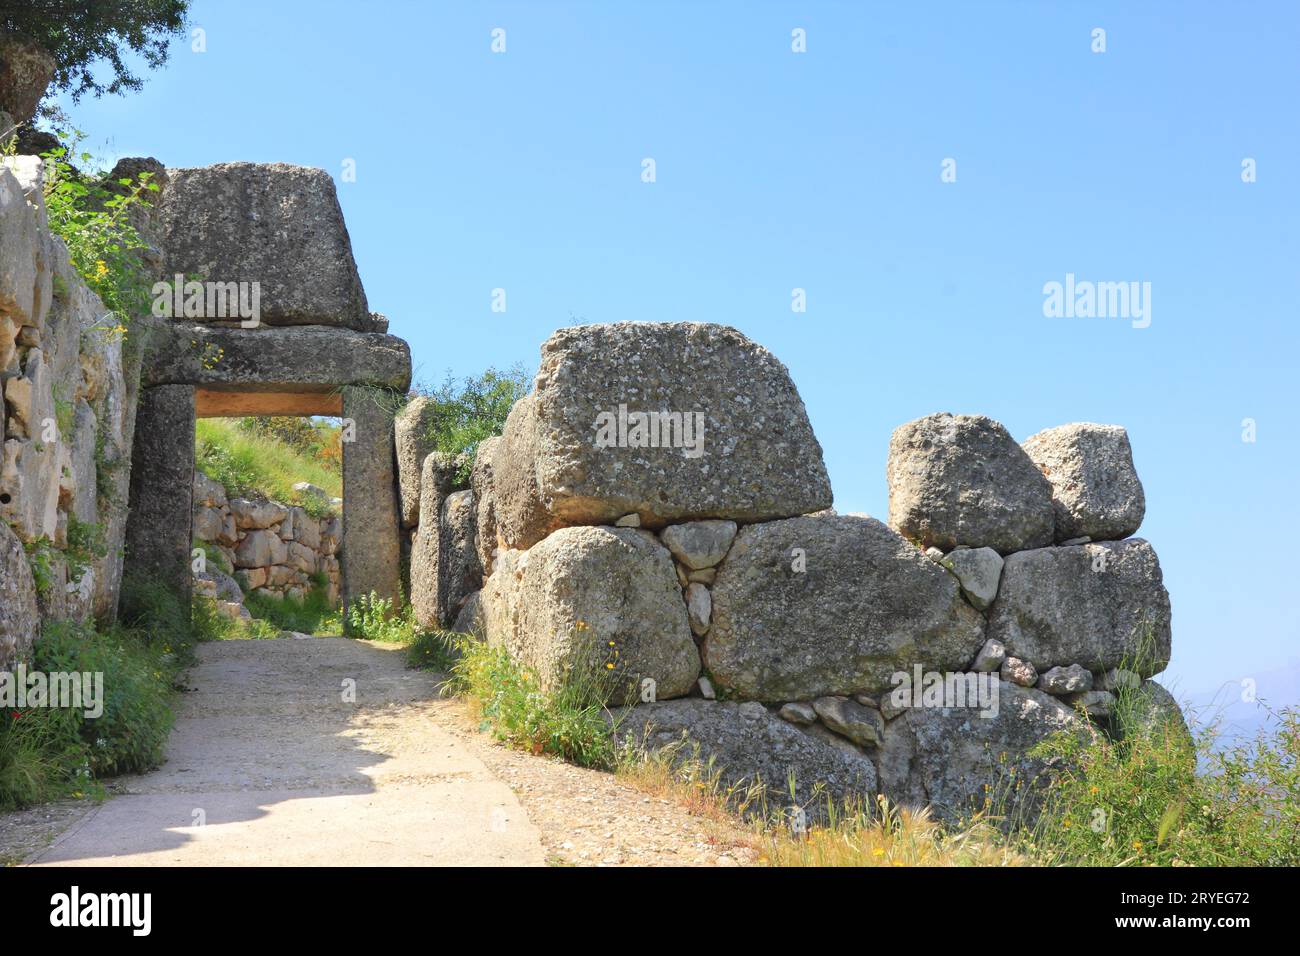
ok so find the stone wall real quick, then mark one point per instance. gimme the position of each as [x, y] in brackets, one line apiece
[69, 386]
[714, 584]
[273, 549]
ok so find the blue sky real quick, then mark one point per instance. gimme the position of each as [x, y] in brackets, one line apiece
[821, 170]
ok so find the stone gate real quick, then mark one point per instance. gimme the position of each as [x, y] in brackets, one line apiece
[262, 313]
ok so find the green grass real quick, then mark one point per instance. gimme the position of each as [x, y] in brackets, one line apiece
[47, 753]
[311, 614]
[572, 722]
[250, 464]
[1142, 799]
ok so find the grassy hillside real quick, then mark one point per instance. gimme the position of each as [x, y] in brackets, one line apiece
[267, 457]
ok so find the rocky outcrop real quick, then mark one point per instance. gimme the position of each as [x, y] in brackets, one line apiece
[672, 422]
[594, 600]
[824, 605]
[272, 223]
[962, 480]
[1095, 488]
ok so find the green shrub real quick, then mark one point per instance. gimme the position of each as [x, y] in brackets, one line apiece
[433, 651]
[571, 721]
[468, 410]
[312, 614]
[130, 734]
[1142, 799]
[93, 218]
[372, 618]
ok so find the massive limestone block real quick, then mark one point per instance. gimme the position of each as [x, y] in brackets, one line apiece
[1095, 488]
[482, 483]
[962, 480]
[1101, 605]
[162, 490]
[273, 223]
[832, 605]
[587, 597]
[750, 745]
[944, 757]
[19, 618]
[372, 553]
[458, 566]
[437, 476]
[26, 70]
[411, 432]
[578, 450]
[272, 359]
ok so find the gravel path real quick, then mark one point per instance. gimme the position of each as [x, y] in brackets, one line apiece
[270, 765]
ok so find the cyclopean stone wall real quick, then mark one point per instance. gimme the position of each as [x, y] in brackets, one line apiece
[270, 548]
[69, 383]
[714, 583]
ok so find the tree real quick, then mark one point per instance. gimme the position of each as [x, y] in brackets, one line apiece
[78, 34]
[468, 410]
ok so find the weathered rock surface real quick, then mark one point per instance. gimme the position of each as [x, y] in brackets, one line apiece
[411, 430]
[868, 604]
[1101, 605]
[699, 608]
[470, 618]
[990, 657]
[482, 483]
[372, 552]
[19, 618]
[429, 549]
[462, 575]
[753, 456]
[1060, 681]
[1016, 671]
[162, 490]
[271, 359]
[962, 480]
[699, 544]
[862, 725]
[798, 712]
[1095, 488]
[274, 223]
[749, 745]
[978, 570]
[945, 757]
[589, 596]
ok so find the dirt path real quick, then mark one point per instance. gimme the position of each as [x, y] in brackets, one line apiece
[270, 765]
